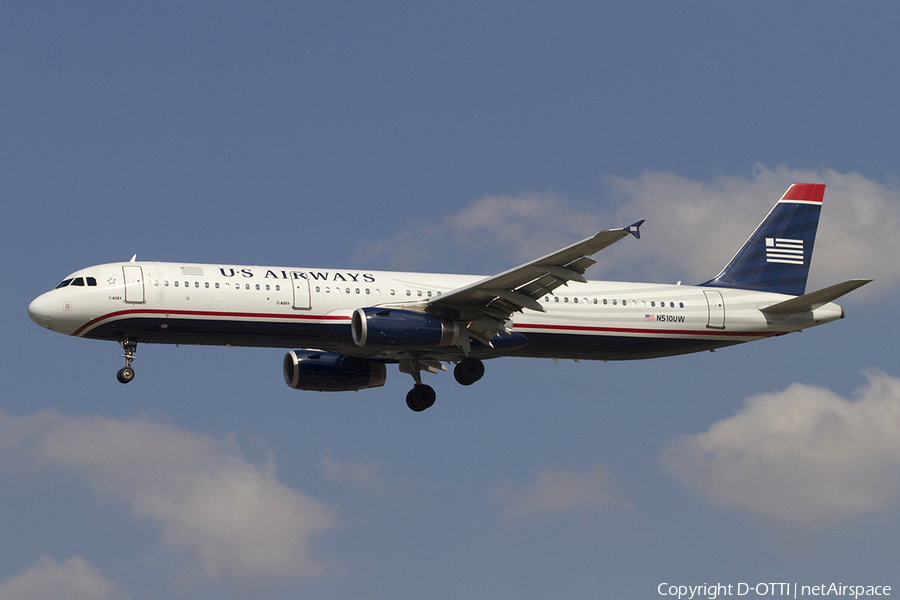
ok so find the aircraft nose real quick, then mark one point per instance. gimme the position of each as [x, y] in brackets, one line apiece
[39, 310]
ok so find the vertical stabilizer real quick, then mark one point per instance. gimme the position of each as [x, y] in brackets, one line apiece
[776, 257]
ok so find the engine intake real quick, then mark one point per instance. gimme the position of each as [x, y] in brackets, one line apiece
[396, 328]
[328, 372]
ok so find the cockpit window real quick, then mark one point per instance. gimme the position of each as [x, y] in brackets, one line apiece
[78, 281]
[91, 281]
[63, 283]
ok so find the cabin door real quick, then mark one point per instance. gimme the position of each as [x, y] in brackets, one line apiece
[134, 284]
[716, 309]
[301, 292]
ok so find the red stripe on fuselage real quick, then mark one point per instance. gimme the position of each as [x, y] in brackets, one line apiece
[647, 331]
[340, 318]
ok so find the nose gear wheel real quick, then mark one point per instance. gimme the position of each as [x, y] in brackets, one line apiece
[126, 373]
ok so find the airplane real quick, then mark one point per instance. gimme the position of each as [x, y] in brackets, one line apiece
[343, 326]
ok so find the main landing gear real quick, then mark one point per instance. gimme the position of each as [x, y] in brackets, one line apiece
[422, 396]
[468, 371]
[126, 373]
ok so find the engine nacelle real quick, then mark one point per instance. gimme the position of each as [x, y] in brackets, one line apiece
[395, 328]
[328, 372]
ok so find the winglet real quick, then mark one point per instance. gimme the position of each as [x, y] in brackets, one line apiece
[635, 228]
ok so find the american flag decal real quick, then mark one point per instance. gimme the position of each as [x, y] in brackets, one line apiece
[783, 250]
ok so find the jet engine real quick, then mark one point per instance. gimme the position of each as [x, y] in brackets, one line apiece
[328, 372]
[392, 328]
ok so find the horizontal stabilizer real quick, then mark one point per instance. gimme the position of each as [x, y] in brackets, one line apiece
[814, 300]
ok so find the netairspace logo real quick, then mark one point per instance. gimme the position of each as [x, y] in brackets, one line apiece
[770, 589]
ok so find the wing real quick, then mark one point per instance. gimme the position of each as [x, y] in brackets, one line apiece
[488, 304]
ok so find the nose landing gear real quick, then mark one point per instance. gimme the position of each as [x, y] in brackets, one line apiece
[126, 373]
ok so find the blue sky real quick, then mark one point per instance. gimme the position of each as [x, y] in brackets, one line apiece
[464, 137]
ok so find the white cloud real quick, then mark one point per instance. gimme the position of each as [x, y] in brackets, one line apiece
[235, 517]
[74, 579]
[494, 232]
[555, 492]
[693, 228]
[803, 455]
[365, 475]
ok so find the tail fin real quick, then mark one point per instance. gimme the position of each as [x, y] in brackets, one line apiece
[776, 257]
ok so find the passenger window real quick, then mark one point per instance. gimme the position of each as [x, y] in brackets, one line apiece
[392, 292]
[595, 301]
[671, 305]
[217, 285]
[176, 284]
[196, 284]
[575, 300]
[408, 293]
[604, 302]
[277, 288]
[206, 285]
[614, 301]
[63, 283]
[165, 283]
[246, 286]
[681, 305]
[357, 290]
[653, 303]
[257, 286]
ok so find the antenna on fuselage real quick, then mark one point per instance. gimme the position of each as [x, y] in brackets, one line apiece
[133, 258]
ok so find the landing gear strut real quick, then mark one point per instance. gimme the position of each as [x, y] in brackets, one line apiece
[421, 396]
[126, 373]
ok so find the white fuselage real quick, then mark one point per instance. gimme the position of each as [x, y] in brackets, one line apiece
[311, 308]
